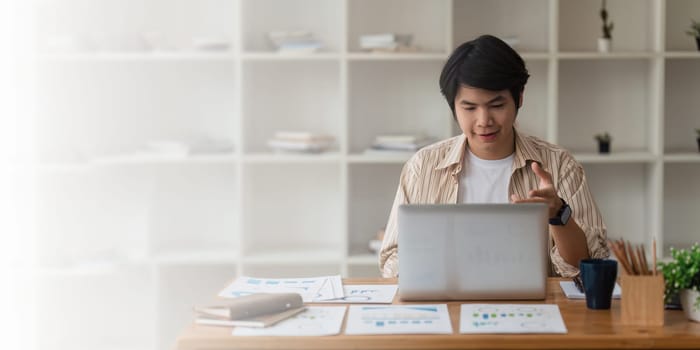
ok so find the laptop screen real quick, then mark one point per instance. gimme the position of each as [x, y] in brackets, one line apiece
[472, 251]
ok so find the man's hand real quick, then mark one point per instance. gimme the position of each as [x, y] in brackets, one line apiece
[545, 194]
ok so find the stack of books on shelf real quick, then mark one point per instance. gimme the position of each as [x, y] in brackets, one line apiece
[401, 144]
[298, 41]
[387, 42]
[300, 142]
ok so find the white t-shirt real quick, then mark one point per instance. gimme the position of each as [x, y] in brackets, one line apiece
[485, 181]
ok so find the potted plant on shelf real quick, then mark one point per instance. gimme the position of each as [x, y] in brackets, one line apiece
[695, 32]
[682, 276]
[605, 42]
[604, 140]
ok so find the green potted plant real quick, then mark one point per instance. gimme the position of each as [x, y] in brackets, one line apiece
[604, 140]
[694, 31]
[605, 42]
[682, 276]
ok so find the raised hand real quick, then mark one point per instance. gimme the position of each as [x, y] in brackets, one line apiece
[546, 193]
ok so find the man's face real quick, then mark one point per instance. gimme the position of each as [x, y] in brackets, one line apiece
[486, 117]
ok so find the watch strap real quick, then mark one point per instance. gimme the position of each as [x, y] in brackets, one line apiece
[562, 216]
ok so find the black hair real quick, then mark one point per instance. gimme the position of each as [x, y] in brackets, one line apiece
[486, 63]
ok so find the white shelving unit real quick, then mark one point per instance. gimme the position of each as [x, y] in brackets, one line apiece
[154, 233]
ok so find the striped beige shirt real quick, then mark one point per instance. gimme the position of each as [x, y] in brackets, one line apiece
[431, 176]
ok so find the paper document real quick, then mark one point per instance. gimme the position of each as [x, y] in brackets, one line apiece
[571, 292]
[399, 319]
[315, 321]
[510, 318]
[366, 294]
[311, 289]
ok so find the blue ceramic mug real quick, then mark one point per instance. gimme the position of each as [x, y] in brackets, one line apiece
[598, 277]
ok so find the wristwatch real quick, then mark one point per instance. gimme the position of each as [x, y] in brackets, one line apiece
[562, 216]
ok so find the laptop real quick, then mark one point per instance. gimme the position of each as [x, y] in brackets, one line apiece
[473, 251]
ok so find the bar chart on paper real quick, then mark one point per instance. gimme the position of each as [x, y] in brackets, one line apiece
[399, 319]
[310, 289]
[366, 294]
[510, 318]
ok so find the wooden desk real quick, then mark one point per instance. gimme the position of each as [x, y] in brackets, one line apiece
[588, 329]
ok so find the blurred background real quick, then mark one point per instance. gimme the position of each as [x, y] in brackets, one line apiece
[153, 150]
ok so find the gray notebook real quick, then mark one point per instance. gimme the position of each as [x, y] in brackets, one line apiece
[255, 310]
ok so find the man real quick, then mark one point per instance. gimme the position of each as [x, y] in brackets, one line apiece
[491, 162]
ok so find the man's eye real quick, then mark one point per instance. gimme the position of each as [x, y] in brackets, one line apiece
[469, 108]
[498, 105]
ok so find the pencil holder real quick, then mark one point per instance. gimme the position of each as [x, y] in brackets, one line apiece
[642, 300]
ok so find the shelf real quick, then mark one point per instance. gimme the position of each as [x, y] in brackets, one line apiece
[424, 56]
[293, 257]
[399, 56]
[682, 158]
[391, 158]
[604, 56]
[427, 21]
[137, 159]
[681, 183]
[682, 54]
[275, 158]
[677, 21]
[196, 258]
[89, 269]
[64, 167]
[289, 96]
[322, 18]
[137, 57]
[364, 259]
[622, 157]
[397, 97]
[622, 98]
[535, 55]
[284, 56]
[153, 158]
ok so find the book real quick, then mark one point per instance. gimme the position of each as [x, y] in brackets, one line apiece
[409, 146]
[281, 37]
[306, 47]
[302, 136]
[385, 41]
[388, 152]
[297, 146]
[395, 49]
[398, 138]
[259, 321]
[254, 310]
[386, 38]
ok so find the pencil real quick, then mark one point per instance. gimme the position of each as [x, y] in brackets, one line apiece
[633, 260]
[620, 256]
[643, 256]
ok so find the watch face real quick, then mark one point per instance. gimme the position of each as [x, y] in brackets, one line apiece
[565, 215]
